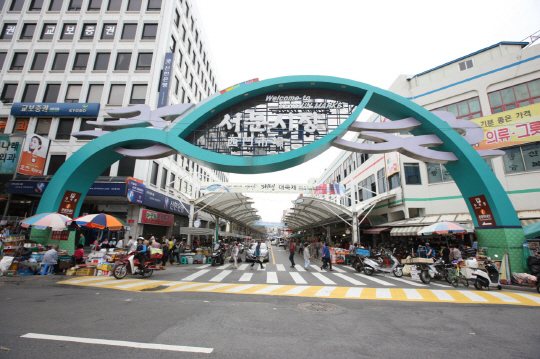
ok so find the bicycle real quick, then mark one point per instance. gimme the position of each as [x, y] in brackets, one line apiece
[454, 276]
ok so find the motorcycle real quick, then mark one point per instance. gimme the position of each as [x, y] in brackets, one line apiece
[128, 264]
[385, 263]
[436, 270]
[218, 255]
[488, 277]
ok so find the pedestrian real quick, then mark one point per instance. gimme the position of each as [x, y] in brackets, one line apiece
[132, 244]
[300, 248]
[445, 253]
[326, 257]
[235, 252]
[307, 255]
[291, 255]
[120, 243]
[257, 255]
[165, 249]
[82, 240]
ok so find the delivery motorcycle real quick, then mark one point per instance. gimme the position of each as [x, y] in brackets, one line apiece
[383, 263]
[218, 255]
[128, 264]
[488, 277]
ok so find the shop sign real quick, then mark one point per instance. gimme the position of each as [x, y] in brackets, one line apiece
[334, 189]
[107, 189]
[157, 200]
[113, 207]
[482, 211]
[60, 235]
[131, 221]
[135, 192]
[166, 76]
[510, 128]
[147, 216]
[391, 163]
[69, 203]
[34, 155]
[55, 109]
[97, 189]
[10, 147]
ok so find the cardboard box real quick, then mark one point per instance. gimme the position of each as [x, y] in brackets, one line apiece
[105, 266]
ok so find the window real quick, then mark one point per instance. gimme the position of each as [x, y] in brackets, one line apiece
[176, 18]
[114, 5]
[73, 94]
[466, 110]
[94, 94]
[81, 61]
[181, 57]
[85, 126]
[465, 65]
[102, 61]
[8, 31]
[108, 32]
[68, 32]
[30, 92]
[154, 5]
[40, 58]
[187, 9]
[126, 167]
[381, 181]
[144, 61]
[173, 180]
[510, 98]
[51, 93]
[149, 31]
[20, 125]
[184, 32]
[394, 181]
[55, 162]
[36, 5]
[60, 61]
[176, 85]
[129, 31]
[88, 32]
[65, 126]
[173, 44]
[16, 5]
[412, 173]
[75, 5]
[134, 5]
[164, 175]
[183, 97]
[191, 80]
[8, 93]
[197, 36]
[48, 31]
[28, 31]
[138, 94]
[154, 173]
[2, 59]
[189, 47]
[437, 173]
[123, 60]
[94, 5]
[116, 96]
[43, 126]
[56, 5]
[192, 23]
[18, 61]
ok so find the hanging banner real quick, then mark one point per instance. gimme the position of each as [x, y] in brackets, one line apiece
[10, 147]
[69, 203]
[269, 224]
[333, 189]
[391, 163]
[165, 80]
[34, 155]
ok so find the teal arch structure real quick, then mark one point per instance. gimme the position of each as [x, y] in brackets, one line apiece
[470, 172]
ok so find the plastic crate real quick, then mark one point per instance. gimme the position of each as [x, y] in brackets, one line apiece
[25, 271]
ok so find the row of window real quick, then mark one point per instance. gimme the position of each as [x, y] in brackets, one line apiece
[77, 5]
[88, 31]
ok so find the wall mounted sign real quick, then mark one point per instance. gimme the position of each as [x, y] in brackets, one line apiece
[391, 163]
[97, 189]
[10, 147]
[165, 80]
[147, 216]
[60, 235]
[138, 193]
[34, 155]
[482, 211]
[69, 203]
[55, 109]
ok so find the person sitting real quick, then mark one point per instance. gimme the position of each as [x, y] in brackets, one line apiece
[430, 252]
[78, 257]
[51, 257]
[112, 243]
[141, 253]
[105, 243]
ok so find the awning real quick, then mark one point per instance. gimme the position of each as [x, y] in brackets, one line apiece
[528, 222]
[197, 231]
[532, 231]
[376, 230]
[405, 231]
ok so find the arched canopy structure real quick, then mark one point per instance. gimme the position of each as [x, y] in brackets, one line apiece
[313, 211]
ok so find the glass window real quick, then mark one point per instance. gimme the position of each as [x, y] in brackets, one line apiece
[55, 162]
[2, 59]
[129, 31]
[134, 5]
[154, 5]
[114, 5]
[8, 93]
[123, 60]
[513, 160]
[20, 125]
[126, 167]
[176, 85]
[102, 61]
[534, 88]
[94, 5]
[149, 31]
[445, 174]
[394, 181]
[164, 175]
[16, 5]
[184, 33]
[154, 173]
[88, 31]
[108, 32]
[381, 180]
[81, 61]
[75, 5]
[434, 172]
[467, 109]
[56, 5]
[73, 93]
[8, 31]
[94, 94]
[513, 97]
[508, 96]
[412, 173]
[116, 96]
[28, 31]
[144, 61]
[30, 92]
[173, 44]
[36, 5]
[60, 61]
[85, 126]
[176, 18]
[68, 32]
[65, 126]
[51, 93]
[18, 61]
[43, 126]
[48, 31]
[531, 155]
[138, 94]
[40, 58]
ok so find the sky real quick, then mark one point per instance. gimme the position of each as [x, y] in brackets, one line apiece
[367, 41]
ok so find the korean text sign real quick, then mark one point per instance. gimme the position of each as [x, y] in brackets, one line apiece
[156, 218]
[165, 80]
[10, 147]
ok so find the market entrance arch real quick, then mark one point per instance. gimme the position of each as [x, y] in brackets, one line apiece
[336, 102]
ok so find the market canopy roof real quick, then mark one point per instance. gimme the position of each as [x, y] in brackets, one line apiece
[311, 212]
[532, 231]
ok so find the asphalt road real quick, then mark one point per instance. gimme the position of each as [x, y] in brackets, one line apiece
[247, 326]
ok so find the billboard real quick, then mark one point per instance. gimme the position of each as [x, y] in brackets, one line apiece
[391, 163]
[10, 147]
[333, 189]
[34, 155]
[55, 109]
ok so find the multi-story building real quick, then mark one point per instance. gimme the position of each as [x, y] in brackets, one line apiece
[109, 52]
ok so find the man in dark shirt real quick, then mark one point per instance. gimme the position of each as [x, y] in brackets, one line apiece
[445, 254]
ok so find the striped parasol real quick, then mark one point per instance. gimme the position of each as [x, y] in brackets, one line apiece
[100, 221]
[444, 228]
[53, 220]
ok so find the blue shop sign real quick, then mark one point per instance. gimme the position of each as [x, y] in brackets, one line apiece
[55, 109]
[97, 189]
[107, 189]
[160, 201]
[135, 192]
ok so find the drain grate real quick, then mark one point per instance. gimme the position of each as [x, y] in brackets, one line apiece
[317, 307]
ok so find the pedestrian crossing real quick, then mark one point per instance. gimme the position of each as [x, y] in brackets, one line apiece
[325, 291]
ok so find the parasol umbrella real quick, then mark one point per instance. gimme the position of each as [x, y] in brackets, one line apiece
[100, 221]
[53, 220]
[444, 228]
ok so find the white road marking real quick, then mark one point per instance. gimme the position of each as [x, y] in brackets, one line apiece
[473, 296]
[409, 282]
[412, 294]
[120, 343]
[383, 293]
[85, 280]
[114, 281]
[221, 276]
[212, 287]
[325, 291]
[243, 266]
[350, 268]
[131, 285]
[337, 269]
[268, 289]
[317, 268]
[195, 275]
[297, 290]
[503, 297]
[271, 277]
[441, 285]
[297, 278]
[225, 266]
[299, 268]
[348, 279]
[323, 279]
[280, 267]
[354, 293]
[170, 284]
[204, 266]
[534, 298]
[259, 267]
[376, 280]
[187, 286]
[246, 277]
[442, 295]
[241, 288]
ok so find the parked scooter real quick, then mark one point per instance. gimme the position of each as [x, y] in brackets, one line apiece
[386, 263]
[436, 270]
[488, 277]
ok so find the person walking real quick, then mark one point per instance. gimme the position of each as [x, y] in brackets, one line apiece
[326, 257]
[307, 255]
[257, 255]
[235, 252]
[165, 249]
[291, 255]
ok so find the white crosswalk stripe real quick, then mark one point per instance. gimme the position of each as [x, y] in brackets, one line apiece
[196, 275]
[299, 268]
[131, 285]
[170, 284]
[221, 276]
[411, 282]
[441, 285]
[113, 281]
[317, 268]
[297, 290]
[271, 277]
[243, 266]
[188, 286]
[297, 278]
[337, 269]
[86, 280]
[246, 277]
[268, 289]
[473, 296]
[503, 297]
[225, 266]
[383, 293]
[204, 266]
[531, 297]
[280, 267]
[354, 293]
[412, 294]
[325, 291]
[323, 279]
[259, 267]
[348, 279]
[241, 288]
[442, 295]
[376, 280]
[212, 287]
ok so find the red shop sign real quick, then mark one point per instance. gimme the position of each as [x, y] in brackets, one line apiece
[156, 218]
[60, 235]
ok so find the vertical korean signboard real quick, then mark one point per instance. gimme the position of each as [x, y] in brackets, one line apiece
[34, 155]
[482, 211]
[69, 203]
[10, 147]
[165, 80]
